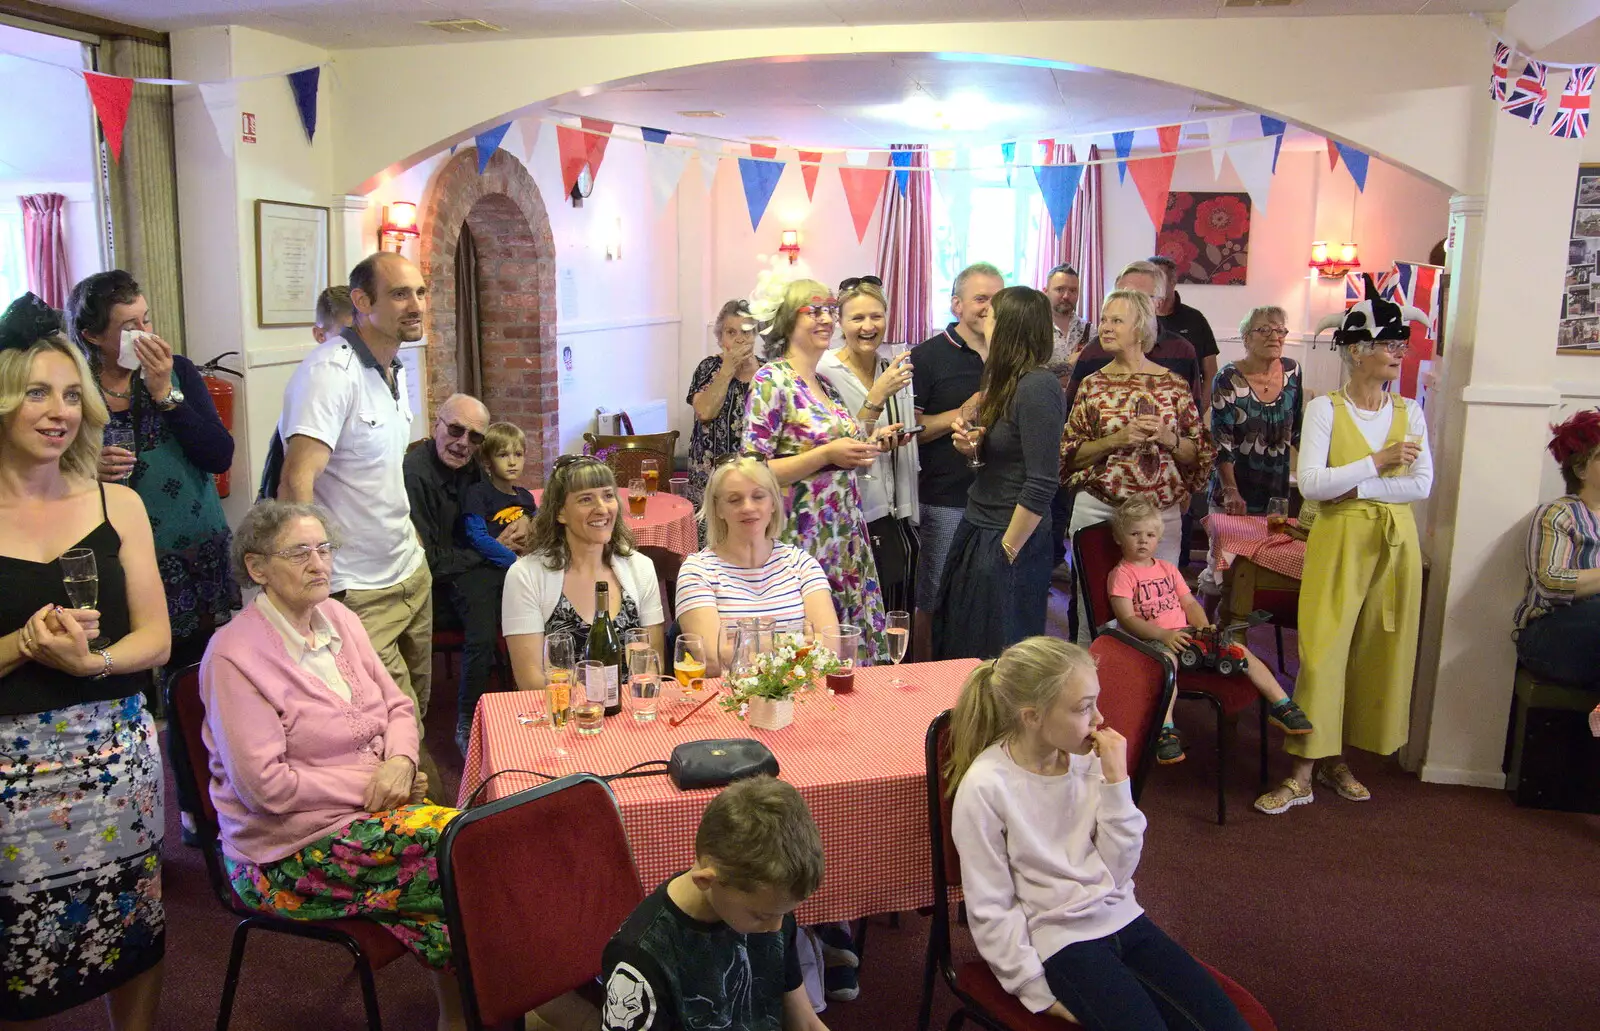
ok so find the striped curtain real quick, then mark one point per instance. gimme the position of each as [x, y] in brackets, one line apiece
[905, 245]
[1086, 237]
[45, 243]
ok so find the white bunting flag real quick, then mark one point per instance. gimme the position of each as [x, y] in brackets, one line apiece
[1219, 131]
[710, 159]
[1253, 162]
[666, 165]
[221, 100]
[522, 138]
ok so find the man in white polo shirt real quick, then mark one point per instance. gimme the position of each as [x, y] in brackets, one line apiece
[345, 426]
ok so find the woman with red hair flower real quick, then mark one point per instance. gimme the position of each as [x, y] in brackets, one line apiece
[1558, 622]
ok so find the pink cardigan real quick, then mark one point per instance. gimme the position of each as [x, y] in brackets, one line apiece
[291, 760]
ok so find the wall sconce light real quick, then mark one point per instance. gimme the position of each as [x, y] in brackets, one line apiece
[790, 244]
[1333, 260]
[399, 221]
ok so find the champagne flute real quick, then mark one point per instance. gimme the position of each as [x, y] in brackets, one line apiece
[1144, 407]
[969, 415]
[560, 661]
[898, 632]
[81, 578]
[863, 433]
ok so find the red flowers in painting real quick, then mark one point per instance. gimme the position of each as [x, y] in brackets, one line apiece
[1208, 235]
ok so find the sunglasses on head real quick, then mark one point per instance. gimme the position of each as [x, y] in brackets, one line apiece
[455, 429]
[566, 462]
[733, 456]
[855, 281]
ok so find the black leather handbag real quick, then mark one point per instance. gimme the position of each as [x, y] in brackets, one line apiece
[718, 761]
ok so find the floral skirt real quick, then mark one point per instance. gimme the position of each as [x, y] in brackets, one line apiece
[382, 867]
[80, 855]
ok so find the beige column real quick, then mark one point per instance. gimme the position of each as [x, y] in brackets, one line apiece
[1496, 394]
[349, 245]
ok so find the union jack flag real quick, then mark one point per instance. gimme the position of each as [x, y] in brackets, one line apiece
[1497, 78]
[1528, 93]
[1572, 113]
[1416, 285]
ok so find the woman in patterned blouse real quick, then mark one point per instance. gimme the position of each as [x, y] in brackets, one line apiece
[1255, 417]
[719, 393]
[798, 424]
[1133, 429]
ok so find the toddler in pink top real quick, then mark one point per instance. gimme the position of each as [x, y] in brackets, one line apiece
[1151, 602]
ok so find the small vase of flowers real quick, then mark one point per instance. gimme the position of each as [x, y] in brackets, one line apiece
[765, 689]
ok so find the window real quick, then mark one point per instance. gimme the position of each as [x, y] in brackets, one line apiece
[13, 264]
[993, 222]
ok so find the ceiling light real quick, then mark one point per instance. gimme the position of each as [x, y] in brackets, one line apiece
[463, 25]
[964, 112]
[701, 114]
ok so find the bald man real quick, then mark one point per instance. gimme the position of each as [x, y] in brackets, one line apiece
[345, 426]
[466, 589]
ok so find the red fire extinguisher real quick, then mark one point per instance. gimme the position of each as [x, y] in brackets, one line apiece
[221, 392]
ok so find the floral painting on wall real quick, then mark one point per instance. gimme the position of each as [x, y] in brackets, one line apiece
[1208, 235]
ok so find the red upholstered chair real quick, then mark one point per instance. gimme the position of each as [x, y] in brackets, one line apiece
[525, 926]
[1094, 555]
[979, 994]
[368, 944]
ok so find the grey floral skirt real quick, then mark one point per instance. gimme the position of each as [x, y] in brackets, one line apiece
[80, 854]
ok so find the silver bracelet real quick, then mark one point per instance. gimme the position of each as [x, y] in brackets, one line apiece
[106, 672]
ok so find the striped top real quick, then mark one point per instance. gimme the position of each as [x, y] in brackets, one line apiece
[777, 589]
[1564, 538]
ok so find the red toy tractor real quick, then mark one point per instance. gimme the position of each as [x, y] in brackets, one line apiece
[1218, 648]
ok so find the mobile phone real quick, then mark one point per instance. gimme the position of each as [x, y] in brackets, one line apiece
[911, 431]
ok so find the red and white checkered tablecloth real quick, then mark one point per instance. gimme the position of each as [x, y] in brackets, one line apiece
[1247, 536]
[668, 521]
[857, 759]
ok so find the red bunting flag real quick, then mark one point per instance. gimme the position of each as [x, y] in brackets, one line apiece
[758, 150]
[862, 188]
[809, 168]
[111, 95]
[1333, 154]
[599, 135]
[573, 147]
[1153, 176]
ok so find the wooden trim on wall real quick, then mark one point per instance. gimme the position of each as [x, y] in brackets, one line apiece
[105, 28]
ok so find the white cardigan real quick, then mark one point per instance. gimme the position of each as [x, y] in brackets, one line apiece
[533, 590]
[898, 468]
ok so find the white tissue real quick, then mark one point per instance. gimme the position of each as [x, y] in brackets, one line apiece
[129, 358]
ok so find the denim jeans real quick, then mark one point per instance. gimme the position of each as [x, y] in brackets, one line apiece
[1138, 979]
[1563, 645]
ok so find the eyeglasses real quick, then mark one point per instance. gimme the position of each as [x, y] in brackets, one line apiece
[855, 281]
[817, 311]
[1272, 331]
[1398, 348]
[566, 462]
[302, 554]
[455, 429]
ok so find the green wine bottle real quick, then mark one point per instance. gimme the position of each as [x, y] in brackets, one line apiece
[606, 646]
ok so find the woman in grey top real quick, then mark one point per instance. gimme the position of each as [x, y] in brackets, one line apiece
[997, 579]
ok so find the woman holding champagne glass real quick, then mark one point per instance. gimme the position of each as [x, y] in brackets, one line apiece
[745, 569]
[81, 818]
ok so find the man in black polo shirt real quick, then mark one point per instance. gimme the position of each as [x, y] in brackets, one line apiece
[1174, 316]
[946, 371]
[1170, 351]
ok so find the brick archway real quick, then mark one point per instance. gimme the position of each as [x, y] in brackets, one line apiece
[517, 288]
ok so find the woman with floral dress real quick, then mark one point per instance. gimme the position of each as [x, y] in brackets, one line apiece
[718, 394]
[1255, 417]
[798, 422]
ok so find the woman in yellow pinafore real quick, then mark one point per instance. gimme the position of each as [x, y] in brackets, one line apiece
[1364, 458]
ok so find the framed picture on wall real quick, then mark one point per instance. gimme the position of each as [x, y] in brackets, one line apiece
[291, 262]
[1208, 236]
[1577, 332]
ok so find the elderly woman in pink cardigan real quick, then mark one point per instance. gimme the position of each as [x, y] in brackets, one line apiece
[314, 752]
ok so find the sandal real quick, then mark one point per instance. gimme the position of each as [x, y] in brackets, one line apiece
[1343, 782]
[1284, 797]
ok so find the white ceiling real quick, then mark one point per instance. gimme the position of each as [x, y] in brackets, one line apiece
[45, 132]
[859, 101]
[344, 24]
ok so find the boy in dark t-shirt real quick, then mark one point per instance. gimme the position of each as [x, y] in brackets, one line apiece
[714, 947]
[496, 503]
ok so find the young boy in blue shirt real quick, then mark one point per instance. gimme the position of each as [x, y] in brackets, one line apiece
[491, 505]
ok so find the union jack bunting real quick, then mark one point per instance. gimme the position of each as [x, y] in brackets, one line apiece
[1497, 78]
[1528, 93]
[1572, 113]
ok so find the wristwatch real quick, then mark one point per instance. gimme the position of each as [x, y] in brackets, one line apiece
[174, 399]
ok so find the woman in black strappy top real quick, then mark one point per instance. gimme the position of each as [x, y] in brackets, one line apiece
[80, 771]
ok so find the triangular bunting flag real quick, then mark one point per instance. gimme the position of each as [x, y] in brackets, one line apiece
[1153, 176]
[527, 132]
[653, 135]
[1124, 144]
[1572, 113]
[1356, 161]
[1274, 128]
[809, 168]
[1253, 162]
[857, 158]
[710, 160]
[1059, 185]
[573, 147]
[304, 86]
[666, 165]
[489, 142]
[901, 159]
[598, 136]
[221, 100]
[111, 95]
[1333, 154]
[760, 179]
[1218, 132]
[862, 187]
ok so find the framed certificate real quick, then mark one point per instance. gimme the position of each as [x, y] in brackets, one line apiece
[291, 262]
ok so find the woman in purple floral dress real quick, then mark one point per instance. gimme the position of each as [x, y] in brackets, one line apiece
[799, 424]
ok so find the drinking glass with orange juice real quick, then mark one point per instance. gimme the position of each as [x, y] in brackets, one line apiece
[650, 469]
[637, 498]
[689, 661]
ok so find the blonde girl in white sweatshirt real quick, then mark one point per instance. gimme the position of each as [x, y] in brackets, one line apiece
[1049, 838]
